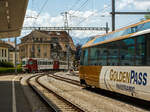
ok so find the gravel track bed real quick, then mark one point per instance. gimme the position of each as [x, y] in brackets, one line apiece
[89, 101]
[63, 74]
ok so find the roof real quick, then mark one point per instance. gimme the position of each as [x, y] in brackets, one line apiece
[119, 34]
[12, 13]
[4, 44]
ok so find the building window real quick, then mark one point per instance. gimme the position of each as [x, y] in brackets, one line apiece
[41, 39]
[52, 46]
[5, 53]
[45, 54]
[58, 33]
[39, 50]
[2, 53]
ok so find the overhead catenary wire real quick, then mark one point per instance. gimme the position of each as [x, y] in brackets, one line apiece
[42, 8]
[75, 4]
[91, 15]
[81, 7]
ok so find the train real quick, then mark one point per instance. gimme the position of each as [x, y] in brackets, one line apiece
[31, 65]
[119, 61]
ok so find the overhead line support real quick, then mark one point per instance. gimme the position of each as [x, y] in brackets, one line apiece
[113, 13]
[66, 28]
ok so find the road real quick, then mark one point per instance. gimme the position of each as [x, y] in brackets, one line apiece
[12, 98]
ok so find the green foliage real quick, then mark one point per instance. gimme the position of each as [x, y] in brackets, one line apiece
[9, 70]
[147, 16]
[6, 64]
[19, 66]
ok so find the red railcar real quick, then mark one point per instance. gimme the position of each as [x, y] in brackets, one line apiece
[40, 64]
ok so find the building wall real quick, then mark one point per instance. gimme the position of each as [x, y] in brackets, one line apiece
[3, 54]
[35, 50]
[12, 57]
[49, 45]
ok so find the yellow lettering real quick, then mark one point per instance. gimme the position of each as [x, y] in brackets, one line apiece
[128, 77]
[111, 74]
[124, 77]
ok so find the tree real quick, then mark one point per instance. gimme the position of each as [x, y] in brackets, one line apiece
[77, 55]
[78, 51]
[147, 16]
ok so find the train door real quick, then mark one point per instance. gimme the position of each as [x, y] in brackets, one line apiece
[56, 65]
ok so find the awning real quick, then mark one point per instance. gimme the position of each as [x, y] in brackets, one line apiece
[12, 13]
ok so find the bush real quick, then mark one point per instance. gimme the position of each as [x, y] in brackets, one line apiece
[10, 70]
[6, 64]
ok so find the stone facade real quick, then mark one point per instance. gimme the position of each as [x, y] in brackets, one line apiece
[12, 53]
[3, 52]
[7, 52]
[47, 44]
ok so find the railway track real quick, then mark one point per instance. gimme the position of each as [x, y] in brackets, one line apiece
[56, 102]
[75, 82]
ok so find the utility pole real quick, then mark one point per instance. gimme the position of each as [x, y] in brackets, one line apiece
[113, 15]
[15, 54]
[65, 15]
[107, 28]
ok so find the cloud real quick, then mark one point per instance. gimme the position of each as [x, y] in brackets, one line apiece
[85, 18]
[45, 19]
[136, 4]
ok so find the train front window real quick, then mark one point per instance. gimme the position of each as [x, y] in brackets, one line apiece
[23, 62]
[30, 62]
[84, 59]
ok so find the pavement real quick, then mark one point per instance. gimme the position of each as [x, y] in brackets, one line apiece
[12, 98]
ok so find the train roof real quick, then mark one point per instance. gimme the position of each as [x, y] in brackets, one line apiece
[139, 28]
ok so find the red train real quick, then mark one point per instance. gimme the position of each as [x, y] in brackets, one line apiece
[38, 64]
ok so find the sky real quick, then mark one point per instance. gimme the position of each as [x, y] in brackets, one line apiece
[94, 13]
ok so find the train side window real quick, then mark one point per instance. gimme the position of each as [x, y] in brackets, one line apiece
[127, 52]
[148, 50]
[103, 55]
[140, 51]
[113, 54]
[93, 55]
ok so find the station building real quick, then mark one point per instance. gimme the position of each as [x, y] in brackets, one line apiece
[12, 53]
[4, 51]
[7, 52]
[47, 44]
